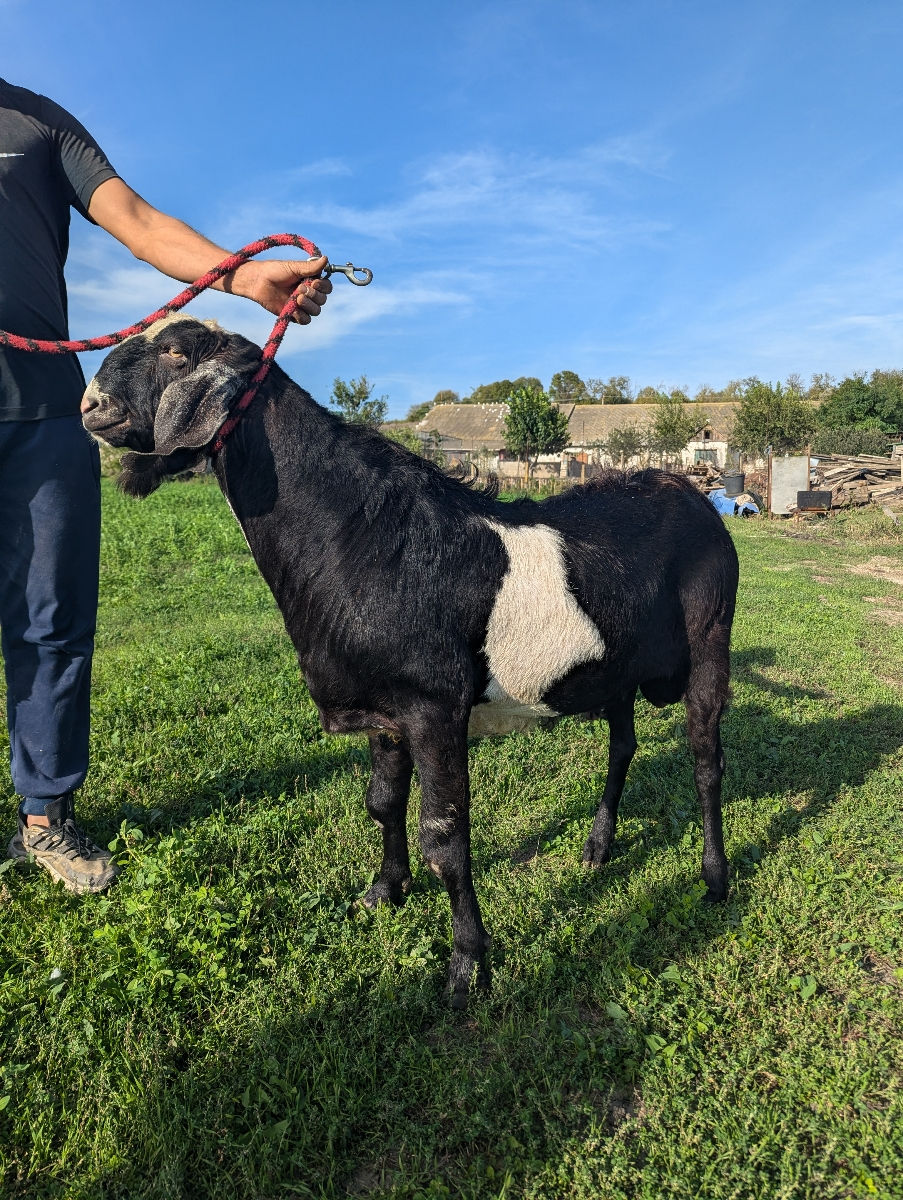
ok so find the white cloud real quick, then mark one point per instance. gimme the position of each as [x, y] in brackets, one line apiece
[506, 199]
[108, 291]
[138, 289]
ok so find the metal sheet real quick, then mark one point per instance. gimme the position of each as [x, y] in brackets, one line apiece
[789, 475]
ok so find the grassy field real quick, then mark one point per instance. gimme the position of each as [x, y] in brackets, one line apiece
[226, 1023]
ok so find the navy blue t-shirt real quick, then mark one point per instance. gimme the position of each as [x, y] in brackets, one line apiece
[49, 163]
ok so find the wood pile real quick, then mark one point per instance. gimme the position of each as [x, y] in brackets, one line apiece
[705, 476]
[854, 480]
[708, 478]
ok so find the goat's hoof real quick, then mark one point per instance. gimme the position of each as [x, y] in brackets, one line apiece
[466, 974]
[715, 879]
[386, 893]
[595, 854]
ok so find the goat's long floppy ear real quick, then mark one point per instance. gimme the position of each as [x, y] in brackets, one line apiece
[192, 409]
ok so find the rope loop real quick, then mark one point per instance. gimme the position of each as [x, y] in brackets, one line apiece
[15, 341]
[36, 346]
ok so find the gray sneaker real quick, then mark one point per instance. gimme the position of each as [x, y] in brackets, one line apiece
[64, 850]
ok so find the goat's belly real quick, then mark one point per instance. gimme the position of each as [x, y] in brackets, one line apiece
[495, 717]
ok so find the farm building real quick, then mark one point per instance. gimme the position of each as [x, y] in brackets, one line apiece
[476, 433]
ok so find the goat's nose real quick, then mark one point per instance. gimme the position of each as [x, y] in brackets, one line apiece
[92, 397]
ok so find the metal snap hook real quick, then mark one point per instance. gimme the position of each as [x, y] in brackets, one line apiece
[350, 272]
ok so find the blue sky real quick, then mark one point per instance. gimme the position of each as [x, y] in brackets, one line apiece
[684, 193]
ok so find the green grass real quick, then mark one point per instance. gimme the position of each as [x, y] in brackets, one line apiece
[225, 1022]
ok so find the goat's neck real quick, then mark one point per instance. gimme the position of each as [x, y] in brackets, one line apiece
[310, 493]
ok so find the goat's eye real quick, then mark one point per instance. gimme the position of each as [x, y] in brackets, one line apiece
[176, 354]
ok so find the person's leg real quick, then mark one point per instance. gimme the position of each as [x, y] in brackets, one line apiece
[49, 551]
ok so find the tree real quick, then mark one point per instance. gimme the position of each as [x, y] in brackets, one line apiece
[431, 448]
[874, 403]
[498, 392]
[626, 442]
[567, 388]
[771, 415]
[732, 391]
[534, 425]
[821, 385]
[418, 411]
[706, 395]
[491, 393]
[614, 390]
[850, 439]
[353, 400]
[650, 395]
[445, 396]
[405, 437]
[527, 381]
[674, 423]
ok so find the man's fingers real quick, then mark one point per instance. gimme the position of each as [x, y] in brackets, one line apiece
[308, 288]
[314, 266]
[314, 290]
[309, 305]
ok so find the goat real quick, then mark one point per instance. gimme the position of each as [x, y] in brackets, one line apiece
[424, 610]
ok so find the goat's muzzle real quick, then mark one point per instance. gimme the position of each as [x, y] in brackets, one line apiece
[105, 417]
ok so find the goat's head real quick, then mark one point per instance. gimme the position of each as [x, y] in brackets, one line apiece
[164, 394]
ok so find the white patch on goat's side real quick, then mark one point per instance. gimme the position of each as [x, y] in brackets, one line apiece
[537, 631]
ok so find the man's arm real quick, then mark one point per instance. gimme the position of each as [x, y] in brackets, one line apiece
[179, 251]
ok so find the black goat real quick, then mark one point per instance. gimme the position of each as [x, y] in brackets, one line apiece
[423, 610]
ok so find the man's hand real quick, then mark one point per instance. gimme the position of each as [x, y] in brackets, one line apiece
[273, 281]
[179, 251]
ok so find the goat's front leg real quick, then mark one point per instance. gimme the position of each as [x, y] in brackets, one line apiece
[440, 752]
[387, 804]
[621, 749]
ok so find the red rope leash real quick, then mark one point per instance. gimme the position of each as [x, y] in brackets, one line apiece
[34, 345]
[16, 342]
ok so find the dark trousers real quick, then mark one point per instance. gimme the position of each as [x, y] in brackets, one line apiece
[49, 558]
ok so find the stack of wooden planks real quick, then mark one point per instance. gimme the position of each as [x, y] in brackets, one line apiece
[705, 476]
[854, 480]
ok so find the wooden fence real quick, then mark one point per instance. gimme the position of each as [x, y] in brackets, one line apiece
[548, 486]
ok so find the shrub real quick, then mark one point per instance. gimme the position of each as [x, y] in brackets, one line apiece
[850, 439]
[771, 415]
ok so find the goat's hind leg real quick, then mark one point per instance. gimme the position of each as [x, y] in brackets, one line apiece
[621, 749]
[387, 804]
[705, 699]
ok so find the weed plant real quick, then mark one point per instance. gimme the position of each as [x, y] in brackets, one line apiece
[227, 1022]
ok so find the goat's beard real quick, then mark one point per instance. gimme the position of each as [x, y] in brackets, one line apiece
[142, 474]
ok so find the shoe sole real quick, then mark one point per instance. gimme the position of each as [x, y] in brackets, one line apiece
[16, 850]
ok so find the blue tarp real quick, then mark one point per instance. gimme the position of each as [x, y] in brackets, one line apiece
[733, 506]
